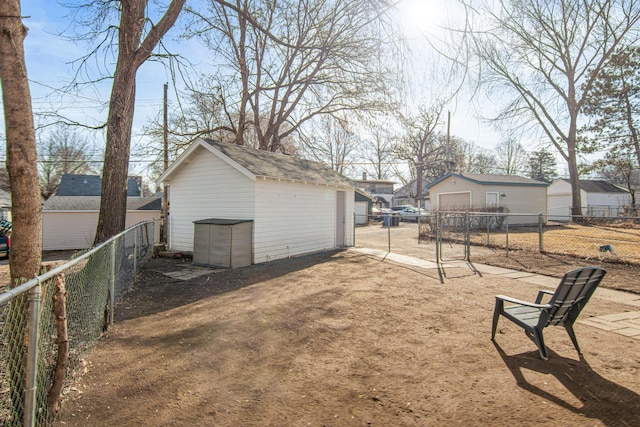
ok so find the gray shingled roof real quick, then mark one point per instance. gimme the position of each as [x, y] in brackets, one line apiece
[90, 185]
[92, 203]
[275, 165]
[598, 186]
[492, 179]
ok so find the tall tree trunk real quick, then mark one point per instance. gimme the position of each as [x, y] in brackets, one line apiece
[113, 201]
[26, 249]
[132, 52]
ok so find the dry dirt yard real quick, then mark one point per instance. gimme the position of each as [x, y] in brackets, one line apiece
[345, 339]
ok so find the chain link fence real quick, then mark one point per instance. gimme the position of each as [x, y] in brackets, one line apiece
[49, 324]
[447, 236]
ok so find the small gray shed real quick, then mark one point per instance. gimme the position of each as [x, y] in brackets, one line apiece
[222, 242]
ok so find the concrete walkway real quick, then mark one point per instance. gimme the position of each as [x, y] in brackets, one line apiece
[626, 323]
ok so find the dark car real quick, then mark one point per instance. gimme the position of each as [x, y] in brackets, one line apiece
[5, 246]
[5, 239]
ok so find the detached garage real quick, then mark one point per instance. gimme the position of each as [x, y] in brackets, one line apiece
[466, 191]
[70, 222]
[295, 206]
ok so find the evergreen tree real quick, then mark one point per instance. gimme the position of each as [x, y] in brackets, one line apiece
[542, 166]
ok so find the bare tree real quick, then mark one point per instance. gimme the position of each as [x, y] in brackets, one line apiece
[511, 157]
[479, 160]
[546, 54]
[330, 141]
[63, 151]
[132, 41]
[283, 63]
[420, 146]
[134, 48]
[379, 155]
[26, 250]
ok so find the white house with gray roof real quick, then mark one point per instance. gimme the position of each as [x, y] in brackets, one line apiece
[296, 206]
[599, 198]
[70, 218]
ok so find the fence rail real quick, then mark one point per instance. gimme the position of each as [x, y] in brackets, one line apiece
[445, 236]
[50, 323]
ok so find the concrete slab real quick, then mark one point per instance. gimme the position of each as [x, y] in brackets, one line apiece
[190, 272]
[628, 332]
[621, 316]
[605, 326]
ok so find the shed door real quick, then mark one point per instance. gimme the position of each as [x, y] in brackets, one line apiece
[340, 218]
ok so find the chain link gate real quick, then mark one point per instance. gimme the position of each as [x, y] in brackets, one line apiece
[452, 236]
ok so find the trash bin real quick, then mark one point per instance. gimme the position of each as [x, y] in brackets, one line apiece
[390, 220]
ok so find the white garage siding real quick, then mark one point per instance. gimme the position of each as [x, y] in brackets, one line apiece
[295, 218]
[68, 230]
[208, 188]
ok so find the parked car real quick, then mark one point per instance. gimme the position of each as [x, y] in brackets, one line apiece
[400, 207]
[411, 214]
[379, 213]
[5, 239]
[5, 246]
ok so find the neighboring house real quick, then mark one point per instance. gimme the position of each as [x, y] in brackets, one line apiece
[70, 218]
[465, 191]
[70, 222]
[380, 190]
[599, 198]
[406, 195]
[90, 185]
[296, 206]
[362, 207]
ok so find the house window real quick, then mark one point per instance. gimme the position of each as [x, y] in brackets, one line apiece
[492, 198]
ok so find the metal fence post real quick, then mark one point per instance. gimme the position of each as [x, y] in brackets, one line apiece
[438, 255]
[112, 282]
[467, 236]
[135, 251]
[540, 234]
[354, 227]
[31, 375]
[389, 231]
[506, 230]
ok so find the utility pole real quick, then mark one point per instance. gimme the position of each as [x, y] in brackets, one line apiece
[165, 141]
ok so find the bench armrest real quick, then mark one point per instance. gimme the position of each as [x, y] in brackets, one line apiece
[521, 302]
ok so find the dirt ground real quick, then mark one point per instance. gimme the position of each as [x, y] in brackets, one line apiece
[620, 276]
[345, 339]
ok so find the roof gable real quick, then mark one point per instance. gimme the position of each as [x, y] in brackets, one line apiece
[487, 179]
[264, 164]
[91, 185]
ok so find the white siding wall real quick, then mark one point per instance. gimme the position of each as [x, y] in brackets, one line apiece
[296, 218]
[76, 230]
[207, 188]
[362, 215]
[68, 230]
[607, 199]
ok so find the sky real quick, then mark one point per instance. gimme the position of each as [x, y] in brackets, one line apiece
[50, 59]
